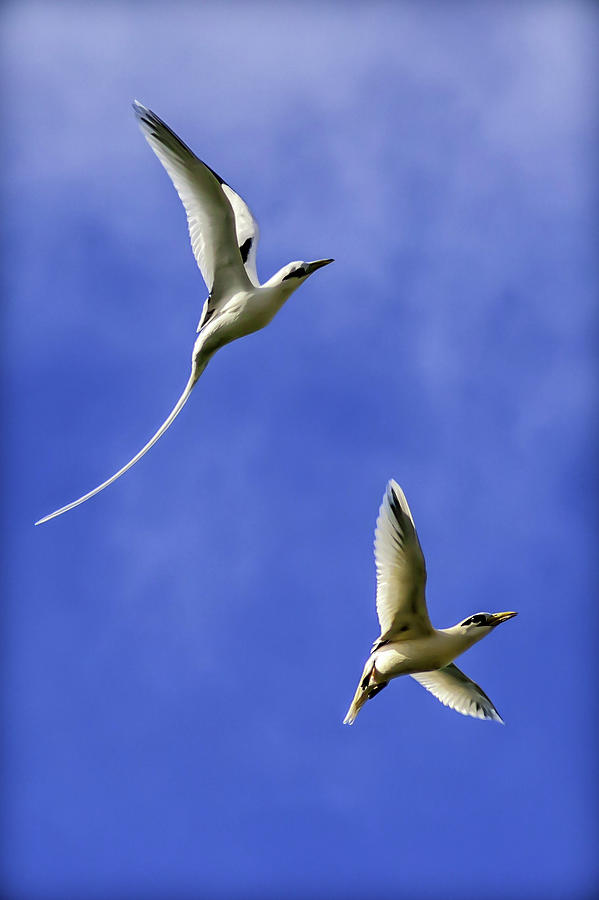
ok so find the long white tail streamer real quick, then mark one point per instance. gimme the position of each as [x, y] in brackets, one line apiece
[195, 374]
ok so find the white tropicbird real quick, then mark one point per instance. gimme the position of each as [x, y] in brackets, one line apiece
[223, 236]
[408, 644]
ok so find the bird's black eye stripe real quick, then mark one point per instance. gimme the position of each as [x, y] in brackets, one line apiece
[245, 249]
[297, 273]
[475, 620]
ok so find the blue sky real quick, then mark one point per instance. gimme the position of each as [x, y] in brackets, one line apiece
[180, 652]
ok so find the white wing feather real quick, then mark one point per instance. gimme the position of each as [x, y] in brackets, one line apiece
[400, 570]
[247, 231]
[456, 690]
[246, 228]
[211, 210]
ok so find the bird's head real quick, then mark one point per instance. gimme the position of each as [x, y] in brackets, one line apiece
[480, 624]
[295, 273]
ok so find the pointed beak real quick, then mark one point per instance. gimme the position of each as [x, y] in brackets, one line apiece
[498, 618]
[318, 264]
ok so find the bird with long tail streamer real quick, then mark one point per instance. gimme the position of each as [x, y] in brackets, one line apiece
[224, 236]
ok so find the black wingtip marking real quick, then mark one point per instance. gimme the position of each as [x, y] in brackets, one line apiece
[394, 502]
[152, 121]
[245, 249]
[398, 514]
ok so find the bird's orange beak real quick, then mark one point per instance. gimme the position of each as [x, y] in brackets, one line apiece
[498, 618]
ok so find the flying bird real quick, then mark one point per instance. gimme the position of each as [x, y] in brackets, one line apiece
[408, 643]
[224, 236]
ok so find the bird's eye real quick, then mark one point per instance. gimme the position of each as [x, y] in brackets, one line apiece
[296, 273]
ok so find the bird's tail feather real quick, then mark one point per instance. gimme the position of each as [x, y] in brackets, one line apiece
[366, 689]
[360, 698]
[197, 369]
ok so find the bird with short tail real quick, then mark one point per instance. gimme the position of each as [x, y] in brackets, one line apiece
[408, 643]
[224, 237]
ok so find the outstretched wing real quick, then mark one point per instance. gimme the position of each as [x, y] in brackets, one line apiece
[400, 571]
[215, 213]
[456, 690]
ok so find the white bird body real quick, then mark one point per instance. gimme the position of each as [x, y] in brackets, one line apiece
[408, 644]
[224, 237]
[246, 311]
[420, 654]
